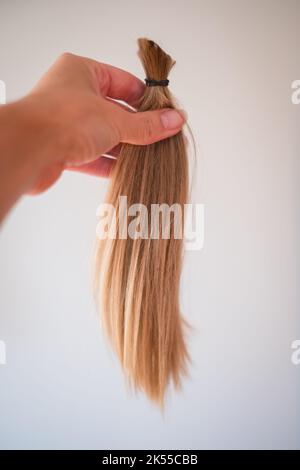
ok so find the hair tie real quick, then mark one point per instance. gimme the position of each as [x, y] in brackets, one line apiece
[150, 82]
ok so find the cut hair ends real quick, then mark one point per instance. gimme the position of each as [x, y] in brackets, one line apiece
[136, 281]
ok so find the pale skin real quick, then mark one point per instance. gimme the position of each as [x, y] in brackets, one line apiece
[68, 121]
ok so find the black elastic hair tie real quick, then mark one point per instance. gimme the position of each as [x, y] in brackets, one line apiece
[150, 82]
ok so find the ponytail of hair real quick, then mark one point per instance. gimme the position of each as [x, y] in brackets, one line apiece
[136, 281]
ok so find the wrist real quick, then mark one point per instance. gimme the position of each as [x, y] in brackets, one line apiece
[28, 138]
[60, 140]
[38, 132]
[28, 146]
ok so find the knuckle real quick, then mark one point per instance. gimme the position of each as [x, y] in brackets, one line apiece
[146, 128]
[116, 129]
[66, 56]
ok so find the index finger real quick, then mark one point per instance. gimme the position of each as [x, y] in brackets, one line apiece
[119, 84]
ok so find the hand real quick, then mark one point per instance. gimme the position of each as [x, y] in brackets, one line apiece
[74, 99]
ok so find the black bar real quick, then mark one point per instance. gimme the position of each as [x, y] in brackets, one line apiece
[136, 458]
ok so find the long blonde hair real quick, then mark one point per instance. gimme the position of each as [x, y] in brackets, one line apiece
[136, 281]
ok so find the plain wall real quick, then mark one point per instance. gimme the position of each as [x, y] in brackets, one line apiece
[61, 386]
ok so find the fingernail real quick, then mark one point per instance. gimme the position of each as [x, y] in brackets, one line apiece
[172, 119]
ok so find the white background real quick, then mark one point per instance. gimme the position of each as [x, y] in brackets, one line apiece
[61, 386]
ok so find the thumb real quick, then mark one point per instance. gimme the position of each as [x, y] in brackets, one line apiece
[143, 128]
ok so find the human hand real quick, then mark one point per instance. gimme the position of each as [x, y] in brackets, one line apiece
[75, 100]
